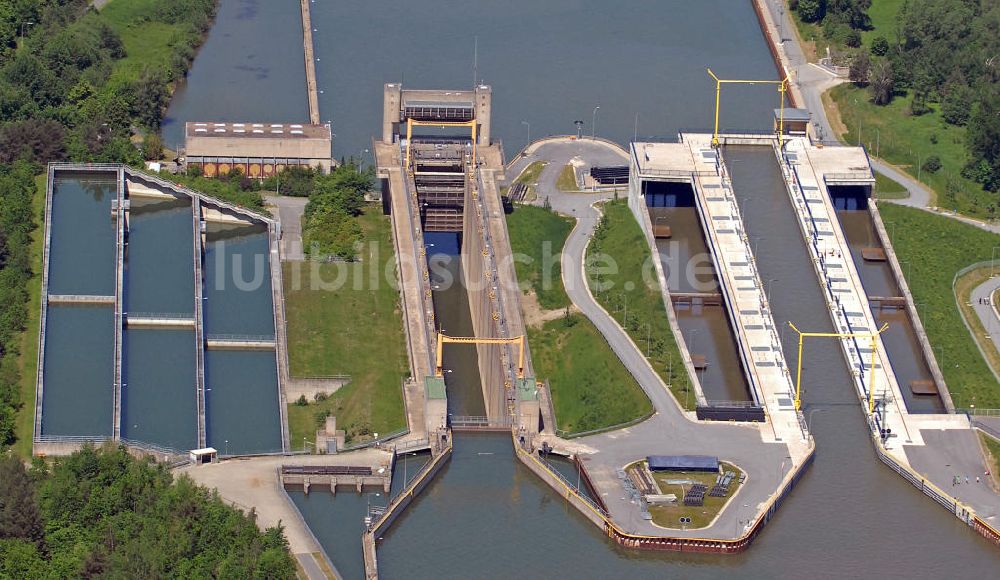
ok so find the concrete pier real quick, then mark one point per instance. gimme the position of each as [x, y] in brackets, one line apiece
[199, 317]
[695, 161]
[79, 299]
[307, 48]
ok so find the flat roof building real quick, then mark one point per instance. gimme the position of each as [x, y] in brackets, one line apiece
[259, 149]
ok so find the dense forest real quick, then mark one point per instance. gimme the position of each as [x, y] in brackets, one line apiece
[17, 220]
[69, 90]
[101, 512]
[942, 52]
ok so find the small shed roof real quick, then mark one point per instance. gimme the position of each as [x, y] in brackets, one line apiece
[683, 463]
[802, 115]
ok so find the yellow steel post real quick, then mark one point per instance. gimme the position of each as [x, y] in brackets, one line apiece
[871, 379]
[718, 93]
[781, 116]
[409, 134]
[798, 374]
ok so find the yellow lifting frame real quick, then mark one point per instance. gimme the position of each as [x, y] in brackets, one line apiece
[872, 336]
[782, 87]
[410, 124]
[442, 339]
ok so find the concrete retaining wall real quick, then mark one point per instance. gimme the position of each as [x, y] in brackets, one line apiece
[911, 309]
[665, 543]
[396, 507]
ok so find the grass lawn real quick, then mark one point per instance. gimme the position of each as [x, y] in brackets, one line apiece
[992, 447]
[886, 188]
[668, 516]
[27, 362]
[540, 238]
[529, 177]
[146, 43]
[567, 179]
[907, 141]
[933, 249]
[883, 19]
[622, 291]
[963, 290]
[591, 389]
[354, 330]
[883, 16]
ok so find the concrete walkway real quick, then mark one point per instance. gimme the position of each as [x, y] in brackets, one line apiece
[289, 211]
[669, 430]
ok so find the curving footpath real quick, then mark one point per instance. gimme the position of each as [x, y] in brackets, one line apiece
[980, 297]
[669, 430]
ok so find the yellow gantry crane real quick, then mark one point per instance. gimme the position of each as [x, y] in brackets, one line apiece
[443, 339]
[410, 124]
[872, 336]
[782, 87]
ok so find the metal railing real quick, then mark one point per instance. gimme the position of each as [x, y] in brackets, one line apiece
[241, 337]
[159, 316]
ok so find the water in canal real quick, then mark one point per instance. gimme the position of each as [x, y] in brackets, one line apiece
[249, 69]
[850, 512]
[688, 266]
[550, 64]
[451, 310]
[900, 339]
[241, 386]
[159, 393]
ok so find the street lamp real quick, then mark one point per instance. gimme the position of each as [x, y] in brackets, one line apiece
[593, 123]
[767, 290]
[528, 125]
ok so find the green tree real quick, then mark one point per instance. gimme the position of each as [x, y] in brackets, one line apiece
[860, 69]
[880, 46]
[811, 10]
[881, 84]
[152, 146]
[984, 141]
[956, 107]
[19, 515]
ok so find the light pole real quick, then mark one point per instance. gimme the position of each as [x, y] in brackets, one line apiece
[809, 419]
[528, 125]
[593, 123]
[767, 290]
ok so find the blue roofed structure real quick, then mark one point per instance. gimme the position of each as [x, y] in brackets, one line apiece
[683, 463]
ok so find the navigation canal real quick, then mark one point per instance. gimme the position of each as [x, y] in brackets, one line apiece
[551, 63]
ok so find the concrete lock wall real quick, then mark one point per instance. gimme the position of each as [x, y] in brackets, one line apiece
[479, 285]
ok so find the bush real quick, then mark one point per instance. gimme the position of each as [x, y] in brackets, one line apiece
[301, 401]
[932, 164]
[152, 147]
[956, 107]
[880, 46]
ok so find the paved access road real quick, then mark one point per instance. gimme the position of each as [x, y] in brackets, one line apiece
[669, 430]
[982, 297]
